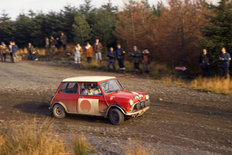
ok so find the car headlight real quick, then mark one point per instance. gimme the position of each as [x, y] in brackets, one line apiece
[147, 97]
[136, 97]
[131, 102]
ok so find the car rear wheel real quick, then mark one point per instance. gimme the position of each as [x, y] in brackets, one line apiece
[116, 116]
[58, 111]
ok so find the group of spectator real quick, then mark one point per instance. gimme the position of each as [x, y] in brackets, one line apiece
[56, 43]
[205, 62]
[113, 55]
[11, 49]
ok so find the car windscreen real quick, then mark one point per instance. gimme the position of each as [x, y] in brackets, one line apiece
[111, 86]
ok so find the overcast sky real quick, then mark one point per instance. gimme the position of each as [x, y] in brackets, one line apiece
[15, 7]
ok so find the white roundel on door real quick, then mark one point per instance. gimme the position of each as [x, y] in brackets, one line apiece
[88, 106]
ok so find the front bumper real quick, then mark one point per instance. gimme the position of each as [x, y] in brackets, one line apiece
[137, 113]
[140, 105]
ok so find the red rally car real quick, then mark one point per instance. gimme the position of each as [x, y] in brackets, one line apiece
[98, 96]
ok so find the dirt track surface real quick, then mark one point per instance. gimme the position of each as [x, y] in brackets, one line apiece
[180, 120]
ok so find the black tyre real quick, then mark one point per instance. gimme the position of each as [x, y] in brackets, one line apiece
[58, 111]
[116, 117]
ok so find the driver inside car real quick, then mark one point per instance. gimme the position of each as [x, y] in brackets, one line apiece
[87, 90]
[97, 90]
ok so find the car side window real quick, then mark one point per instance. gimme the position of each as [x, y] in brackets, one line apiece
[90, 89]
[69, 88]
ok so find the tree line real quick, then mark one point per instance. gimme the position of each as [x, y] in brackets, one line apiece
[175, 33]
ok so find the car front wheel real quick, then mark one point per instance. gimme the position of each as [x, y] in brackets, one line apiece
[116, 116]
[58, 111]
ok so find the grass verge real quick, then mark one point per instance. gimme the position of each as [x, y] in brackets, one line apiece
[31, 139]
[216, 84]
[38, 138]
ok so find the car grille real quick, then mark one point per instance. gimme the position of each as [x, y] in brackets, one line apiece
[140, 105]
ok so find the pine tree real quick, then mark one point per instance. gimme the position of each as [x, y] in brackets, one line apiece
[68, 15]
[81, 29]
[6, 28]
[104, 26]
[23, 30]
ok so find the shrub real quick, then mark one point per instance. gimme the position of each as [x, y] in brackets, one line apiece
[82, 147]
[31, 139]
[216, 84]
[137, 150]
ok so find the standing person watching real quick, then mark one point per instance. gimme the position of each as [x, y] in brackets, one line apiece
[53, 45]
[58, 43]
[30, 49]
[3, 51]
[47, 45]
[89, 52]
[77, 54]
[11, 55]
[146, 60]
[136, 54]
[64, 40]
[205, 62]
[120, 54]
[225, 62]
[111, 61]
[98, 50]
[14, 52]
[1, 55]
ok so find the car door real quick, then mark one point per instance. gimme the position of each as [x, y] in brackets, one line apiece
[68, 95]
[91, 102]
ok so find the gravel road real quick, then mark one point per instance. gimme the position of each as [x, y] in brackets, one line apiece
[180, 120]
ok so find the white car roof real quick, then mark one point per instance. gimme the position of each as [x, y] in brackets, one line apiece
[88, 78]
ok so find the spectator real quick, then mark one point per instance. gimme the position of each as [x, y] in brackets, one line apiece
[111, 61]
[77, 54]
[146, 59]
[120, 54]
[58, 43]
[98, 49]
[14, 52]
[53, 45]
[34, 57]
[10, 47]
[47, 45]
[3, 51]
[136, 54]
[89, 52]
[64, 40]
[30, 49]
[225, 62]
[205, 62]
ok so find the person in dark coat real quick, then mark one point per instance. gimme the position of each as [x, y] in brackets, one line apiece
[111, 61]
[120, 55]
[146, 59]
[14, 50]
[205, 62]
[30, 49]
[64, 40]
[225, 62]
[136, 54]
[53, 45]
[58, 43]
